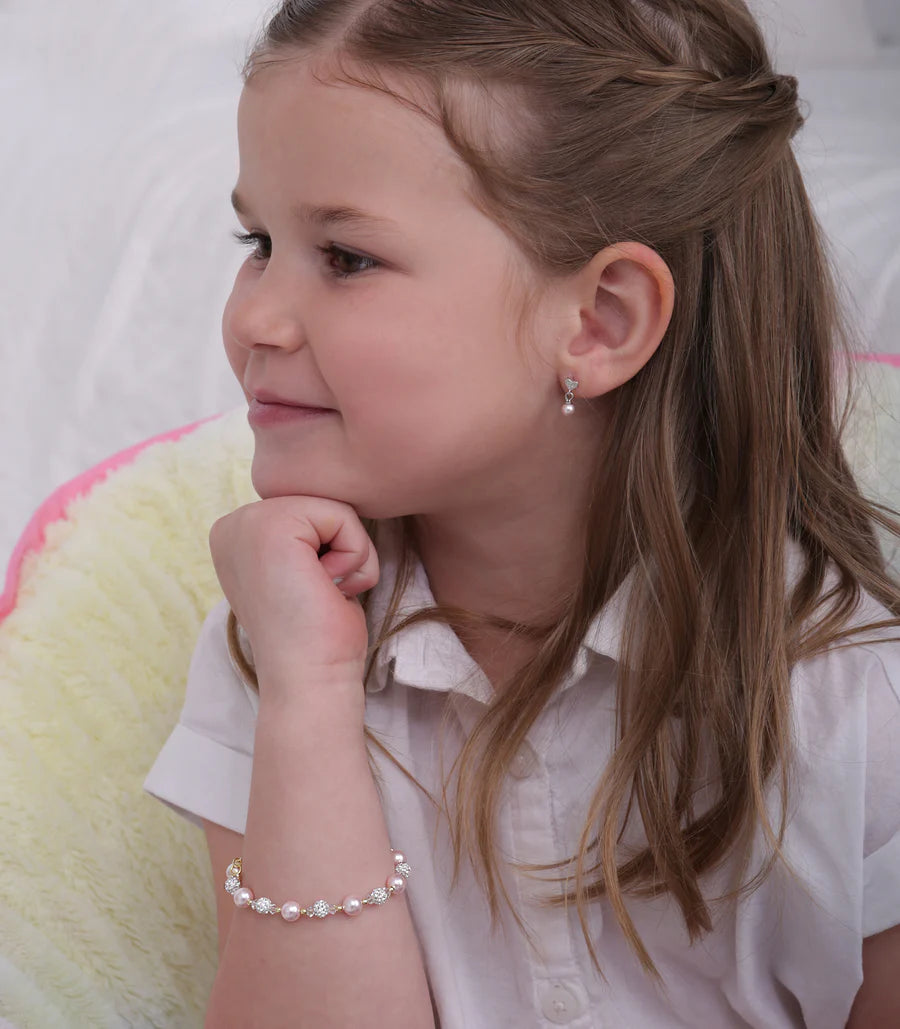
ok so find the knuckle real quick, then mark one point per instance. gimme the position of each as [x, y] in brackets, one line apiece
[215, 532]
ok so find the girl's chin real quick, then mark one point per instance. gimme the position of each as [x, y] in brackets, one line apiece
[272, 482]
[269, 481]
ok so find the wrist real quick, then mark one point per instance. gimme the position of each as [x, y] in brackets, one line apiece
[306, 709]
[309, 745]
[295, 675]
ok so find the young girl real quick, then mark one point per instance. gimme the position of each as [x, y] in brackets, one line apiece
[556, 681]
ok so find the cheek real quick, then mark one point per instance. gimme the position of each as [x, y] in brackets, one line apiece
[237, 355]
[432, 361]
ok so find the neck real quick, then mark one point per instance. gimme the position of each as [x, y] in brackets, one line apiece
[519, 554]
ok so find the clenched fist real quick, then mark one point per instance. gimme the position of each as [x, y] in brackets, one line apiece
[306, 632]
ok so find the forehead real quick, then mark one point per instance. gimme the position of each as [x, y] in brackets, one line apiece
[303, 132]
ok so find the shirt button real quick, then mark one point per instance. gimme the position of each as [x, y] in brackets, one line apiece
[522, 765]
[561, 1004]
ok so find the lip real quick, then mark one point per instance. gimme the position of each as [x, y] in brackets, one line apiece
[261, 413]
[264, 396]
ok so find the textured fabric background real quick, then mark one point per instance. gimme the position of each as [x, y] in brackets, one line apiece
[107, 918]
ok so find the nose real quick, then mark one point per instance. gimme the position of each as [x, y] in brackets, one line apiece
[262, 311]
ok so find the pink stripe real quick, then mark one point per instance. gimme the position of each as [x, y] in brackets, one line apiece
[55, 506]
[891, 359]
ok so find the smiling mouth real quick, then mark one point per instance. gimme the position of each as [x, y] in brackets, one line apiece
[261, 413]
[266, 397]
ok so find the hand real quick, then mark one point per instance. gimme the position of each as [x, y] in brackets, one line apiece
[305, 632]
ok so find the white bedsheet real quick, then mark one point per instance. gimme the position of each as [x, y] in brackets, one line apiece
[117, 155]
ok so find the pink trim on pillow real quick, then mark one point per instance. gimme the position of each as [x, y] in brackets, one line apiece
[891, 359]
[55, 506]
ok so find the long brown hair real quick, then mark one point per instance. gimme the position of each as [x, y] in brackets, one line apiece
[661, 121]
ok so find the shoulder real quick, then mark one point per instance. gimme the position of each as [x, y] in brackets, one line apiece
[847, 723]
[842, 838]
[842, 690]
[865, 665]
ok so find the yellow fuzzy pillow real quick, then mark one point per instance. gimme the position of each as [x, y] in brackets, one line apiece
[107, 917]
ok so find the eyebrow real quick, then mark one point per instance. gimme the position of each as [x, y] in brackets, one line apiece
[324, 216]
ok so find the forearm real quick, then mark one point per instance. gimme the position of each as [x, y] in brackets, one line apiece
[315, 829]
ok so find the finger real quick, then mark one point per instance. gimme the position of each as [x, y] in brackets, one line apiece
[364, 577]
[343, 564]
[318, 522]
[216, 532]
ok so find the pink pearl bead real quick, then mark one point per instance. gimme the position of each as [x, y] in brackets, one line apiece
[290, 911]
[399, 857]
[351, 905]
[242, 897]
[397, 882]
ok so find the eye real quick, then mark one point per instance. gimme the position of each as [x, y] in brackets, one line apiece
[344, 263]
[255, 240]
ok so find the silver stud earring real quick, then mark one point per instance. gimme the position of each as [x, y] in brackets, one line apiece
[571, 386]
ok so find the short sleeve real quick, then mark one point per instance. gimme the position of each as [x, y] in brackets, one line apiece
[203, 770]
[881, 849]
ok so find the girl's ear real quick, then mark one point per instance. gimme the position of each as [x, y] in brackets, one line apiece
[619, 307]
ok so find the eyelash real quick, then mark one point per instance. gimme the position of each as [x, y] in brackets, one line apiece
[255, 239]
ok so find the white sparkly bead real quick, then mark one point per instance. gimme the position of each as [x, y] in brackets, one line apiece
[320, 909]
[568, 409]
[232, 883]
[402, 869]
[399, 858]
[396, 883]
[378, 896]
[264, 906]
[242, 897]
[351, 905]
[290, 911]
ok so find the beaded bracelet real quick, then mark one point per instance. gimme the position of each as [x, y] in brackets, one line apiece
[290, 910]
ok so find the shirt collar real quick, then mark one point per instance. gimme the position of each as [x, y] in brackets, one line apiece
[431, 656]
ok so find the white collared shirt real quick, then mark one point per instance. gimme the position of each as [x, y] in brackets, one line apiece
[788, 955]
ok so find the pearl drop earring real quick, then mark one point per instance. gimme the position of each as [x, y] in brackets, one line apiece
[571, 386]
